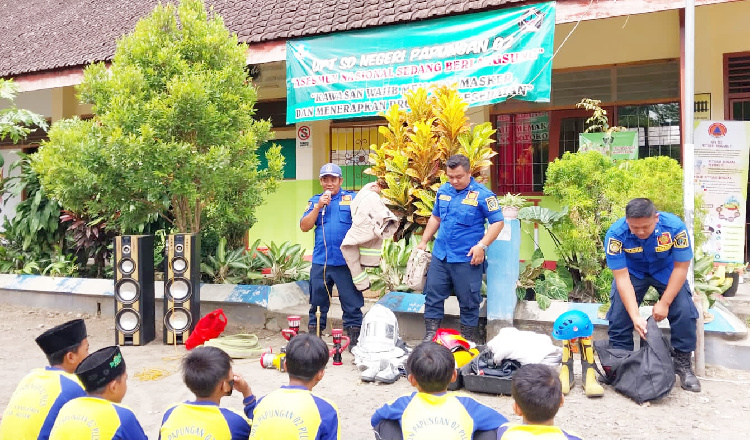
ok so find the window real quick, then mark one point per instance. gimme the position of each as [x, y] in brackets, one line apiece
[526, 142]
[737, 86]
[350, 149]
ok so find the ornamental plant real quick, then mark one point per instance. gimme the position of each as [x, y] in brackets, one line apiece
[173, 133]
[410, 163]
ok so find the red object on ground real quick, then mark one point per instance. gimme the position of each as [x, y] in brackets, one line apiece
[209, 327]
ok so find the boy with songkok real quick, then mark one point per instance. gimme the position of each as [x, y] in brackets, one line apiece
[293, 411]
[99, 415]
[537, 395]
[432, 412]
[39, 396]
[207, 372]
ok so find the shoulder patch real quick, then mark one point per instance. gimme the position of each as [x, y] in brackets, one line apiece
[681, 240]
[492, 203]
[614, 246]
[309, 205]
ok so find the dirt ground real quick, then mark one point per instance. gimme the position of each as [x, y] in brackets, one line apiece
[719, 412]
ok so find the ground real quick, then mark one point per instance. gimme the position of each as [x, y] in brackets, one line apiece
[719, 412]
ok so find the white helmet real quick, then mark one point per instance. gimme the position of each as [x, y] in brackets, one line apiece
[379, 330]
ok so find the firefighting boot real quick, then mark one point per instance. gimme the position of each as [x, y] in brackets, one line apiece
[353, 333]
[566, 372]
[469, 333]
[430, 328]
[683, 367]
[591, 387]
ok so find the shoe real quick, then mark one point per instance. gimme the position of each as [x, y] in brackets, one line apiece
[683, 367]
[389, 374]
[431, 326]
[469, 332]
[370, 369]
[567, 378]
[313, 329]
[353, 333]
[591, 387]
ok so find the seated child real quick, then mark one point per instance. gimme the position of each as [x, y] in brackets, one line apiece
[35, 403]
[293, 412]
[207, 372]
[537, 395]
[99, 414]
[432, 412]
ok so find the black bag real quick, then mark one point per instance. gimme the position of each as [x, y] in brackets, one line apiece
[643, 375]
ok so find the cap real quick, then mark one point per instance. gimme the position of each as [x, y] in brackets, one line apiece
[100, 368]
[63, 336]
[330, 169]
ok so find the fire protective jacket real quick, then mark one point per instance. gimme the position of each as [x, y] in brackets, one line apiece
[372, 222]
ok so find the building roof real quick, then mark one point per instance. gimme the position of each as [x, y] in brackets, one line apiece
[44, 35]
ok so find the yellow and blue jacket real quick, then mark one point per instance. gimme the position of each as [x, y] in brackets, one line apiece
[204, 420]
[293, 412]
[96, 418]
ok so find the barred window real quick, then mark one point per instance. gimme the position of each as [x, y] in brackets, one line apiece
[523, 152]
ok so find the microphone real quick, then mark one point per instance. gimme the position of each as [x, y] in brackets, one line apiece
[326, 193]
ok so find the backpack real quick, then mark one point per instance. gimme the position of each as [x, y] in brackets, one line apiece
[643, 375]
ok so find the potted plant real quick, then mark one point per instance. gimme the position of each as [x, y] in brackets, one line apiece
[510, 204]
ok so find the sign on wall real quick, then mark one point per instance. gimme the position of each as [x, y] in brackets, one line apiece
[620, 145]
[491, 56]
[721, 163]
[702, 107]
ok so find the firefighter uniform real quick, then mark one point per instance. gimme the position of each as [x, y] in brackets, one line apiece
[328, 263]
[372, 222]
[446, 415]
[650, 263]
[462, 217]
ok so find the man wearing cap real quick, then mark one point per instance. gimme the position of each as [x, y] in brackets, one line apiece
[37, 400]
[330, 214]
[99, 415]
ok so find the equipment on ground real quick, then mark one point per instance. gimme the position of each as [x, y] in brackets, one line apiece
[274, 360]
[337, 349]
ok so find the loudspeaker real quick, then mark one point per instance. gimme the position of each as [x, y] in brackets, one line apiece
[134, 290]
[182, 282]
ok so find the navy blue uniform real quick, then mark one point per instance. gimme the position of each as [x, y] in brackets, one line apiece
[327, 254]
[650, 263]
[462, 216]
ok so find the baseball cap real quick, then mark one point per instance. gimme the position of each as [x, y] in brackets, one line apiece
[330, 169]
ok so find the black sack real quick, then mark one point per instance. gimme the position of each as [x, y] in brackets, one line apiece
[643, 375]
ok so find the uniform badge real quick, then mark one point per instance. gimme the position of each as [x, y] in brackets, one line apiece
[492, 203]
[346, 199]
[471, 198]
[309, 205]
[681, 240]
[664, 238]
[445, 197]
[614, 246]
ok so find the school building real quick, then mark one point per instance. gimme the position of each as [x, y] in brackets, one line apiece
[628, 54]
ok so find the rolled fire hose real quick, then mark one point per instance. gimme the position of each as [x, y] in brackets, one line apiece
[239, 346]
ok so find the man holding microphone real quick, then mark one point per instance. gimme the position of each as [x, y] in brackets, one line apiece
[330, 214]
[461, 207]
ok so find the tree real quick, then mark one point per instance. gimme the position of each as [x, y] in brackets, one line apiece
[16, 123]
[410, 163]
[173, 133]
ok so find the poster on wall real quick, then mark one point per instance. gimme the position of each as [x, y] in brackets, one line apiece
[622, 145]
[721, 165]
[491, 56]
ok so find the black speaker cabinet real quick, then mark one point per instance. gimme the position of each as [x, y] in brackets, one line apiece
[134, 290]
[182, 282]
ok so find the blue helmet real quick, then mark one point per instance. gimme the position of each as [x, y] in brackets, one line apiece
[572, 324]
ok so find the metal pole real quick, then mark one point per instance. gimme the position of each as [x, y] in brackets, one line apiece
[688, 167]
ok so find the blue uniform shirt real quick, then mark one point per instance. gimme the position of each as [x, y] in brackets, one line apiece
[444, 416]
[336, 222]
[462, 214]
[654, 256]
[34, 405]
[200, 420]
[96, 418]
[293, 412]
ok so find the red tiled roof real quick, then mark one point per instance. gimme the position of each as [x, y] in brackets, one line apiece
[42, 35]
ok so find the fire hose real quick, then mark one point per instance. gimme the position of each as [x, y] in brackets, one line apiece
[239, 346]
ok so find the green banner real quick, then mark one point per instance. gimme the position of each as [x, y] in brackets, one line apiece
[491, 56]
[622, 145]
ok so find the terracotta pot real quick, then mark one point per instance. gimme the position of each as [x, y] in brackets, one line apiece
[510, 212]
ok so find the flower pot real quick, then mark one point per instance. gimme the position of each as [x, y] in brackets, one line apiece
[735, 276]
[510, 212]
